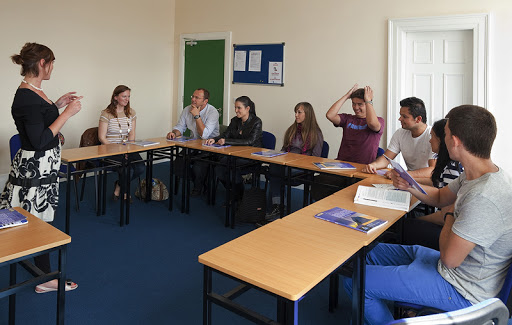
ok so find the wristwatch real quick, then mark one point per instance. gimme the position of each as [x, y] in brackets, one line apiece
[448, 213]
[196, 117]
[369, 102]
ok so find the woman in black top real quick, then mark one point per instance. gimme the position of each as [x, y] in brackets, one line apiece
[33, 181]
[245, 129]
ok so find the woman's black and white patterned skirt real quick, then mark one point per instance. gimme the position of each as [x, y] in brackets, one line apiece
[33, 183]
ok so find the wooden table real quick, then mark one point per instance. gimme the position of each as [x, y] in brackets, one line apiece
[290, 256]
[75, 155]
[20, 243]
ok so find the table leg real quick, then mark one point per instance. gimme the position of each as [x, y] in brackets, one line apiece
[207, 289]
[122, 182]
[187, 180]
[233, 196]
[287, 311]
[12, 298]
[68, 197]
[149, 177]
[128, 182]
[289, 190]
[358, 287]
[61, 292]
[171, 175]
[228, 191]
[104, 193]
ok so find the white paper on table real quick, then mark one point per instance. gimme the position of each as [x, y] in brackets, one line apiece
[255, 61]
[275, 72]
[240, 59]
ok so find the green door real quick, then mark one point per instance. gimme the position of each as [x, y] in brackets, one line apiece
[204, 68]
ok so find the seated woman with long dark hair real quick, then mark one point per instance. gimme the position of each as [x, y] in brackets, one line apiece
[245, 129]
[303, 137]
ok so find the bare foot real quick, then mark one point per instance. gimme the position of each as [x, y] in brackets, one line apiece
[53, 285]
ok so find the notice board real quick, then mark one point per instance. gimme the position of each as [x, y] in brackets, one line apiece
[261, 64]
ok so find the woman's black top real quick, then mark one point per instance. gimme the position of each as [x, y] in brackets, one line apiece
[32, 116]
[246, 133]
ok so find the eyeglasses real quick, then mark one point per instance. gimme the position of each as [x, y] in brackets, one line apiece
[195, 97]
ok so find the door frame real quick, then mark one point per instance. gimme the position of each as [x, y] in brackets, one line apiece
[226, 36]
[397, 35]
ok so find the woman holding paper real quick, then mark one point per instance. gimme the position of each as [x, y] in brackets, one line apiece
[245, 129]
[117, 125]
[33, 180]
[303, 137]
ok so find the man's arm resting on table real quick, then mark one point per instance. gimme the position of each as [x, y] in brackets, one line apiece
[453, 248]
[379, 163]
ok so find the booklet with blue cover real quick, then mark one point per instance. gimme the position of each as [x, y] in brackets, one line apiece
[405, 175]
[181, 139]
[351, 219]
[269, 153]
[216, 145]
[143, 143]
[11, 218]
[333, 165]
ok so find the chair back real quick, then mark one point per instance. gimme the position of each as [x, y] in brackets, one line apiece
[325, 150]
[14, 145]
[90, 138]
[380, 152]
[268, 140]
[504, 294]
[490, 311]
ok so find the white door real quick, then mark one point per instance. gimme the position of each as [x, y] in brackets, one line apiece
[439, 70]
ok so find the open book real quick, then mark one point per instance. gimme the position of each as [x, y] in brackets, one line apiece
[333, 165]
[351, 219]
[269, 153]
[143, 143]
[11, 218]
[383, 198]
[405, 175]
[216, 145]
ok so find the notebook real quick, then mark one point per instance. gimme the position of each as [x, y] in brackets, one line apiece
[11, 218]
[269, 153]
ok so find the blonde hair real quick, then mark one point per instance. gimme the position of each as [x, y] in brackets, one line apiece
[310, 128]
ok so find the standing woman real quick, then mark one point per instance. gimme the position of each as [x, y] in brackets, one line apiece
[245, 129]
[117, 125]
[303, 137]
[33, 179]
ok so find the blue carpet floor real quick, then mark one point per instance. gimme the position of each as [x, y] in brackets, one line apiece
[147, 272]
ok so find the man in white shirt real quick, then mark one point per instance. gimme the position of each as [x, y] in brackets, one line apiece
[412, 140]
[202, 119]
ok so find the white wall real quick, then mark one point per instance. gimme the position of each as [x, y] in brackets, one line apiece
[332, 44]
[98, 45]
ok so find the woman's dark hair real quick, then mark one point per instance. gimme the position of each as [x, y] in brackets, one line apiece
[246, 101]
[112, 107]
[29, 57]
[443, 157]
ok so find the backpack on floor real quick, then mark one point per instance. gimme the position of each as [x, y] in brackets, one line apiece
[158, 190]
[252, 208]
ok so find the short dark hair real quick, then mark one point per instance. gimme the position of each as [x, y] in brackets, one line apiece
[358, 93]
[416, 107]
[205, 92]
[475, 127]
[29, 57]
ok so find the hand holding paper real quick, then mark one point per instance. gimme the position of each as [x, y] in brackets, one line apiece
[405, 177]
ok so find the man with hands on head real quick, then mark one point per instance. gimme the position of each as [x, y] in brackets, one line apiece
[412, 140]
[361, 135]
[474, 246]
[202, 119]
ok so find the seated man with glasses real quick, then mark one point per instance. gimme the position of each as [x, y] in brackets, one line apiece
[202, 119]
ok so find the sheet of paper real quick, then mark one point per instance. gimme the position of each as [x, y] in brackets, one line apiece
[275, 72]
[255, 61]
[240, 59]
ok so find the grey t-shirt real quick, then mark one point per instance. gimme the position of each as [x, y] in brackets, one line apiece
[483, 215]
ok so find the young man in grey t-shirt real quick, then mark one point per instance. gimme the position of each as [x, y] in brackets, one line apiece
[475, 251]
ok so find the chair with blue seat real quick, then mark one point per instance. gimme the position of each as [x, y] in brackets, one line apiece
[15, 145]
[268, 140]
[490, 311]
[380, 152]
